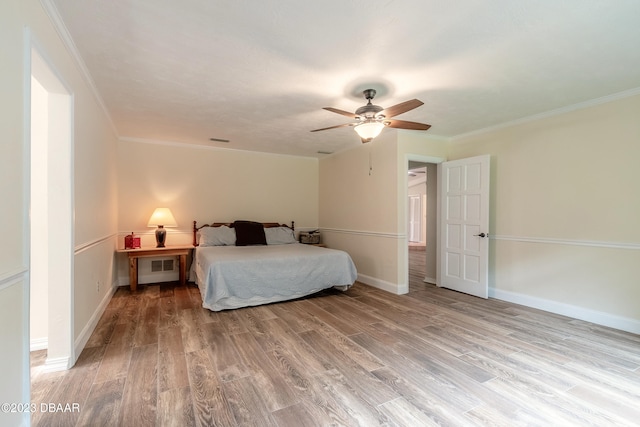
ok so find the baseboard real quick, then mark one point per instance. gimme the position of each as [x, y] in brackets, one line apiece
[429, 280]
[149, 280]
[581, 313]
[57, 364]
[39, 344]
[167, 276]
[384, 285]
[84, 336]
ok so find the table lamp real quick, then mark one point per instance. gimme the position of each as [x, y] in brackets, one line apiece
[161, 217]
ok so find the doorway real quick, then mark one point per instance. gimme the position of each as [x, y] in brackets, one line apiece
[51, 215]
[422, 183]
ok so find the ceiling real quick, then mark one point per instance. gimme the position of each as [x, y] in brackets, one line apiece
[258, 73]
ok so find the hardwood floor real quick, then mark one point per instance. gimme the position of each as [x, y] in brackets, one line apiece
[417, 267]
[364, 357]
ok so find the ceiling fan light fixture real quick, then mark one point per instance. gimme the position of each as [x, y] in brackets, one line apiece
[369, 130]
[371, 119]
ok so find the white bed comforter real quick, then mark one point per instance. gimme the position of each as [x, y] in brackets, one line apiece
[239, 276]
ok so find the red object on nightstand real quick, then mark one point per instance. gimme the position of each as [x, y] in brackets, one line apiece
[131, 241]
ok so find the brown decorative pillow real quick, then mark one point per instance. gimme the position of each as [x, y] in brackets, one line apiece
[249, 233]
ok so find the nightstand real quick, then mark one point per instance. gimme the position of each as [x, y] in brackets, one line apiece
[180, 251]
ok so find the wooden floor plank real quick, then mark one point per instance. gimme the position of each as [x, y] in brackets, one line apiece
[611, 402]
[102, 407]
[117, 356]
[172, 364]
[361, 357]
[369, 386]
[425, 354]
[298, 415]
[225, 358]
[556, 408]
[230, 322]
[175, 408]
[296, 319]
[247, 403]
[277, 392]
[194, 336]
[351, 396]
[104, 329]
[72, 389]
[419, 377]
[147, 330]
[282, 339]
[402, 413]
[168, 316]
[322, 318]
[400, 314]
[438, 409]
[209, 402]
[140, 397]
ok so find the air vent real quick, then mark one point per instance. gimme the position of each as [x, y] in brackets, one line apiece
[162, 265]
[218, 140]
[325, 152]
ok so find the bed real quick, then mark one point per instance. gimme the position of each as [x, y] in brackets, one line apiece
[246, 263]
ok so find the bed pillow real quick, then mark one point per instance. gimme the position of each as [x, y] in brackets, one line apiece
[217, 236]
[249, 233]
[279, 235]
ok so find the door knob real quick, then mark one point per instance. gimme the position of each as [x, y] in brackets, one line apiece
[481, 235]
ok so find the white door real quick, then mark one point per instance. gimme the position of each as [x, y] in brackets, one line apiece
[415, 216]
[464, 225]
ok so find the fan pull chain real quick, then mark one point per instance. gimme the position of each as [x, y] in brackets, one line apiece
[370, 159]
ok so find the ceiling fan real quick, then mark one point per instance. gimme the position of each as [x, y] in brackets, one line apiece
[371, 119]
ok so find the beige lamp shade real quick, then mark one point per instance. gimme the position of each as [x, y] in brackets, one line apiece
[162, 217]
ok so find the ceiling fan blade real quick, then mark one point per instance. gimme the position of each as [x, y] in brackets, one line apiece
[403, 124]
[344, 113]
[403, 107]
[333, 127]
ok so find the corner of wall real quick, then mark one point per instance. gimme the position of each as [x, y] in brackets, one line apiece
[398, 289]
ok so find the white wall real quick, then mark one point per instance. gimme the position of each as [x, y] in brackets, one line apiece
[565, 209]
[210, 185]
[365, 212]
[358, 208]
[564, 222]
[14, 275]
[95, 211]
[94, 183]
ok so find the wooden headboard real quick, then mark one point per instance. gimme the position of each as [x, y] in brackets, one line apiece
[230, 224]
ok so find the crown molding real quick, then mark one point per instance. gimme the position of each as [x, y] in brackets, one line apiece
[548, 114]
[177, 144]
[57, 22]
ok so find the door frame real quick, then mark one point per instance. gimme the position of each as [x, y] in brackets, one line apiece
[403, 195]
[61, 350]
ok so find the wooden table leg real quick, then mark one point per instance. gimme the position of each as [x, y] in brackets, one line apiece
[133, 273]
[183, 270]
